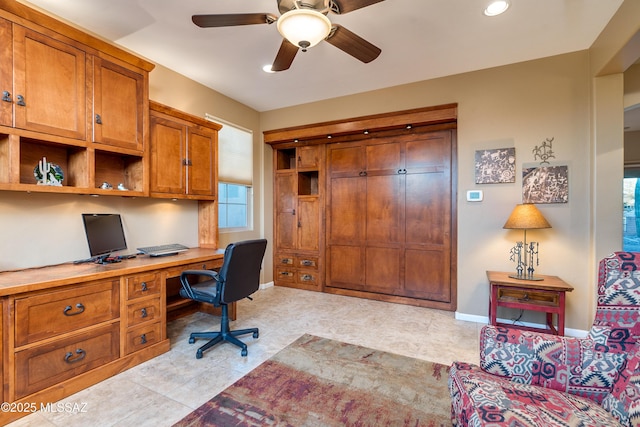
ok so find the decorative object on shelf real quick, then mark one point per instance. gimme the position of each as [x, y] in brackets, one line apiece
[545, 184]
[106, 186]
[122, 187]
[495, 166]
[48, 173]
[544, 151]
[525, 217]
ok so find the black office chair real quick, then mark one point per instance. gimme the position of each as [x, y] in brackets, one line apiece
[238, 278]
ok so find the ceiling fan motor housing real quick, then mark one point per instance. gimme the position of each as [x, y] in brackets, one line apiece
[287, 5]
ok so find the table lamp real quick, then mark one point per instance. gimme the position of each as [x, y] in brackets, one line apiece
[525, 217]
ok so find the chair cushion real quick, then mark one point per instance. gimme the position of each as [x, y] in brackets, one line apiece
[206, 291]
[479, 398]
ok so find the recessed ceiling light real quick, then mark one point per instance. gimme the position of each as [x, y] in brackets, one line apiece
[267, 68]
[496, 7]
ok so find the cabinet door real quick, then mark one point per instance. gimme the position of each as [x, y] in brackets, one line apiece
[6, 73]
[428, 218]
[309, 157]
[49, 79]
[308, 224]
[201, 169]
[117, 105]
[286, 221]
[168, 142]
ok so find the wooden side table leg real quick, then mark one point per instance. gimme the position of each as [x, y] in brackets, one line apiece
[561, 314]
[493, 305]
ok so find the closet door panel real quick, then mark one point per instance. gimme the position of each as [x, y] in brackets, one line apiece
[427, 275]
[383, 270]
[383, 208]
[347, 216]
[346, 267]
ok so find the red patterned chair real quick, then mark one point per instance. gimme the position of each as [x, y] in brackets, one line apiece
[534, 379]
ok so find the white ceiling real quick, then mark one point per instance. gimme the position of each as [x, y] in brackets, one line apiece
[420, 40]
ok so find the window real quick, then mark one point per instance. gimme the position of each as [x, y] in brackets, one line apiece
[631, 216]
[235, 177]
[233, 205]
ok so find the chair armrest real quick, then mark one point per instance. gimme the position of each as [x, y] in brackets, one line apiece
[572, 365]
[184, 279]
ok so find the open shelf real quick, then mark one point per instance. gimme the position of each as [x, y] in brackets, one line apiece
[308, 183]
[286, 159]
[117, 169]
[73, 161]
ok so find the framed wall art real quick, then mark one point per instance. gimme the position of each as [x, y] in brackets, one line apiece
[495, 165]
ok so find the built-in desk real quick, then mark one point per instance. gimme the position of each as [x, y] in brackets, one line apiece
[69, 326]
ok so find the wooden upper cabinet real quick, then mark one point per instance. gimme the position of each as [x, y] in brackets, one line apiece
[6, 73]
[202, 162]
[49, 85]
[309, 157]
[118, 105]
[183, 150]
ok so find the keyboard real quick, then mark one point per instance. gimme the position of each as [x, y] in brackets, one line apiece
[163, 250]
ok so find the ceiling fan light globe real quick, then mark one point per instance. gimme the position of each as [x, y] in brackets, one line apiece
[304, 28]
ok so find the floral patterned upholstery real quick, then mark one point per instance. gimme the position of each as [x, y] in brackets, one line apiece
[527, 378]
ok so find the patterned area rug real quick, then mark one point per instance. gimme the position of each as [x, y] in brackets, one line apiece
[320, 382]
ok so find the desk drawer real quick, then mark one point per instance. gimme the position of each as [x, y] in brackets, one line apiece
[308, 262]
[143, 311]
[43, 366]
[45, 315]
[551, 299]
[143, 285]
[285, 274]
[142, 336]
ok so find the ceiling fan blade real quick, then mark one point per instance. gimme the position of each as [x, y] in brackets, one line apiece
[353, 44]
[285, 56]
[232, 19]
[345, 6]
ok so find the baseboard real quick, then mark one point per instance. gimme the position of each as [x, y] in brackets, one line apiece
[578, 333]
[266, 285]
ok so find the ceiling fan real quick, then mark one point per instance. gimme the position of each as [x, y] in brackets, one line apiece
[303, 24]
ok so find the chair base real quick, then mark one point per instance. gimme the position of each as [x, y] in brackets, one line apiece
[225, 334]
[218, 337]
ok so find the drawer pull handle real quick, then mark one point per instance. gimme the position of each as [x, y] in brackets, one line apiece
[286, 261]
[525, 297]
[286, 273]
[143, 313]
[6, 96]
[98, 119]
[144, 287]
[81, 354]
[307, 277]
[306, 262]
[143, 339]
[21, 101]
[67, 310]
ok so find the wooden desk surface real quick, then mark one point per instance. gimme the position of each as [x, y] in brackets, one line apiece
[33, 279]
[550, 283]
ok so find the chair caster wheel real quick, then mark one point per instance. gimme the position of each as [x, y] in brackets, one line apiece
[199, 354]
[244, 352]
[192, 340]
[256, 334]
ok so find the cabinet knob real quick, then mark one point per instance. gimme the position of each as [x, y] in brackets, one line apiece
[6, 96]
[21, 101]
[402, 171]
[143, 313]
[363, 173]
[98, 119]
[143, 339]
[144, 287]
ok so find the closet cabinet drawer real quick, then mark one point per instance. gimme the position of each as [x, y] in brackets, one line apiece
[143, 285]
[44, 315]
[142, 336]
[144, 311]
[48, 364]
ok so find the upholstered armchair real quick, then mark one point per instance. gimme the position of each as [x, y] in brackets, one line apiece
[534, 379]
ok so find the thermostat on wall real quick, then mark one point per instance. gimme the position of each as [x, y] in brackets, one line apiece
[474, 196]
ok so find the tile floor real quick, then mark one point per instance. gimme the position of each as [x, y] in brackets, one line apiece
[163, 390]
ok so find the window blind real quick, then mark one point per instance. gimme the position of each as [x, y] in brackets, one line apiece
[235, 153]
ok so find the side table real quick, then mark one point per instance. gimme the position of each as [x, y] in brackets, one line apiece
[546, 296]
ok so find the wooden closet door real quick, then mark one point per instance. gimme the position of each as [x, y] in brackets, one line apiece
[346, 216]
[427, 236]
[384, 198]
[286, 219]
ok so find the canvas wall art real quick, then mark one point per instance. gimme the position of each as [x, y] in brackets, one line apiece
[545, 184]
[495, 165]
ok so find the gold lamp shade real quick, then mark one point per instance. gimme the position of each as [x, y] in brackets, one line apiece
[526, 217]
